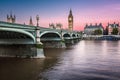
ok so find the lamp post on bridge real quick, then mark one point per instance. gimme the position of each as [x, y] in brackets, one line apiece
[37, 31]
[62, 39]
[37, 18]
[61, 34]
[60, 25]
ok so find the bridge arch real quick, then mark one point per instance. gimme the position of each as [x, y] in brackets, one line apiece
[77, 35]
[7, 31]
[73, 35]
[66, 35]
[50, 34]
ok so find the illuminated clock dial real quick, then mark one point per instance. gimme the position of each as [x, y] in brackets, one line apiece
[70, 18]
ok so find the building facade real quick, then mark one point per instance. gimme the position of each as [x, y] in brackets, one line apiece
[90, 29]
[110, 28]
[57, 26]
[70, 21]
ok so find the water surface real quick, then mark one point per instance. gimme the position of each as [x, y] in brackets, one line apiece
[86, 60]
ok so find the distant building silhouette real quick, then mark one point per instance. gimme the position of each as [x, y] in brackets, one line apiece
[52, 26]
[57, 26]
[11, 18]
[70, 21]
[90, 29]
[30, 22]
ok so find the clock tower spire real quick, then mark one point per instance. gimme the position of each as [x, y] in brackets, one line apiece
[70, 21]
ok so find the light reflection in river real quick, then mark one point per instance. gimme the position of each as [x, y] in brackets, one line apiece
[87, 60]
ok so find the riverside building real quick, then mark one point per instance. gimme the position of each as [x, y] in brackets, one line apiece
[90, 29]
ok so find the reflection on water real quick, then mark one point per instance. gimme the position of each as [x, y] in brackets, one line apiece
[87, 60]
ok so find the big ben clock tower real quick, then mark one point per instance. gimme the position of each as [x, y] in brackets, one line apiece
[70, 21]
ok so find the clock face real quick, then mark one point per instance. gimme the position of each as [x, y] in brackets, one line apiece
[70, 18]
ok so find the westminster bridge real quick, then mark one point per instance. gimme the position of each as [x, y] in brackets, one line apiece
[26, 40]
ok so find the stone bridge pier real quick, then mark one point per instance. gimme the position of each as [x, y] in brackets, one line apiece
[19, 50]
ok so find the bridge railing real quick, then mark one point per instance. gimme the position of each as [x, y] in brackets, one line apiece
[16, 25]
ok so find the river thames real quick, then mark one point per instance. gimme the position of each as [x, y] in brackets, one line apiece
[86, 60]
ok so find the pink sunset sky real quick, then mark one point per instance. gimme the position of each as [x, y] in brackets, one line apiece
[57, 11]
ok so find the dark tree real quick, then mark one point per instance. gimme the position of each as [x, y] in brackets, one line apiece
[106, 31]
[115, 31]
[98, 32]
